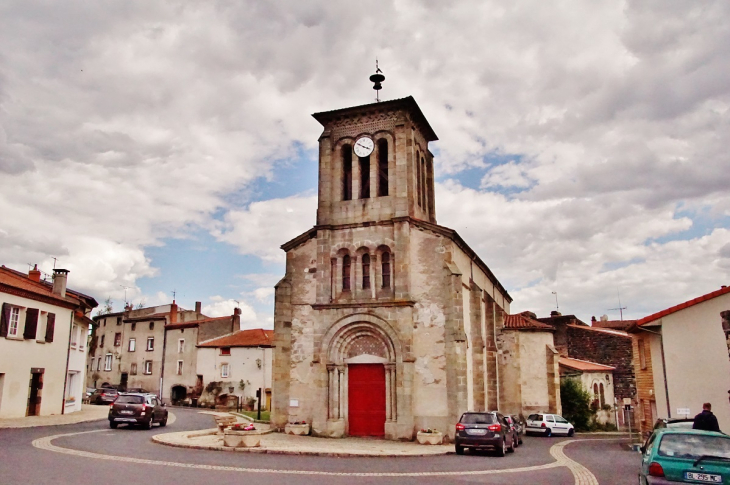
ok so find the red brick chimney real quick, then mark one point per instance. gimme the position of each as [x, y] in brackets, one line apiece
[34, 274]
[173, 312]
[198, 307]
[236, 320]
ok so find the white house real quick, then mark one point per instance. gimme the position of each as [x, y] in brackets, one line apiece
[237, 365]
[597, 379]
[43, 331]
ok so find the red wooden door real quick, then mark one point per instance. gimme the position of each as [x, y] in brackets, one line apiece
[366, 399]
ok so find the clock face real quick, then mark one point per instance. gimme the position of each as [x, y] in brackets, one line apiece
[364, 146]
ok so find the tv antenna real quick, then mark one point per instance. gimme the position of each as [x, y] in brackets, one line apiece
[620, 308]
[377, 80]
[125, 292]
[173, 295]
[238, 303]
[557, 307]
[55, 260]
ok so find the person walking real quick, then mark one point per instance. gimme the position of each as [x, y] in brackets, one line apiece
[706, 420]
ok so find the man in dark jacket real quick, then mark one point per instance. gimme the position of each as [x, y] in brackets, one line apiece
[706, 420]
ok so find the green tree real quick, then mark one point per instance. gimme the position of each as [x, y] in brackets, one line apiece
[576, 403]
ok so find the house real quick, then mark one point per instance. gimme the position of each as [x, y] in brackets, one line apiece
[234, 366]
[43, 330]
[126, 348]
[682, 360]
[386, 322]
[597, 379]
[182, 384]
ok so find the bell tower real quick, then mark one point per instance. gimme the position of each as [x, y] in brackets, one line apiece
[374, 163]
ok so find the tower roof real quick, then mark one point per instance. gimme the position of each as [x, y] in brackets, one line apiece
[407, 104]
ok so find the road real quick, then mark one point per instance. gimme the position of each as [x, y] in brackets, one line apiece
[91, 453]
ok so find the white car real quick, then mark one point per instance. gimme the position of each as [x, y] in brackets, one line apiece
[548, 425]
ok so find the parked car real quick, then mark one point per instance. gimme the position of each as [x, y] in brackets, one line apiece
[548, 425]
[137, 390]
[683, 423]
[104, 395]
[674, 455]
[519, 427]
[137, 408]
[487, 430]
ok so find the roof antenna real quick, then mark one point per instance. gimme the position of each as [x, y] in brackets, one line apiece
[377, 79]
[620, 308]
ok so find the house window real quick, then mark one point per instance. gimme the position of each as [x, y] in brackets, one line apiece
[118, 339]
[365, 271]
[148, 367]
[224, 370]
[382, 168]
[602, 396]
[134, 326]
[74, 336]
[346, 172]
[14, 320]
[132, 345]
[133, 369]
[50, 326]
[385, 264]
[346, 272]
[181, 346]
[152, 325]
[642, 353]
[108, 362]
[150, 343]
[225, 351]
[98, 364]
[179, 367]
[119, 320]
[365, 177]
[101, 341]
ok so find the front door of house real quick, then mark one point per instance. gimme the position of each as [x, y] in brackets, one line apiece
[366, 399]
[34, 392]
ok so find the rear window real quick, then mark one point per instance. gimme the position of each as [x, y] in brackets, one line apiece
[693, 446]
[535, 417]
[478, 419]
[130, 400]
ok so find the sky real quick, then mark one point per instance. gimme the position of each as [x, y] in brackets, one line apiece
[160, 149]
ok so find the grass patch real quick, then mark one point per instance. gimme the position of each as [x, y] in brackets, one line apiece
[265, 415]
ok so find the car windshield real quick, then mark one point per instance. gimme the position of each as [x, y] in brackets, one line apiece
[478, 419]
[693, 446]
[130, 400]
[535, 417]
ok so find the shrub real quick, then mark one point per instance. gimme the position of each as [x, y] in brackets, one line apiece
[576, 403]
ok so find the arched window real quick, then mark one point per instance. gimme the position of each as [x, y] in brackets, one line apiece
[418, 178]
[346, 272]
[365, 177]
[385, 265]
[382, 168]
[346, 172]
[423, 183]
[365, 271]
[596, 401]
[602, 402]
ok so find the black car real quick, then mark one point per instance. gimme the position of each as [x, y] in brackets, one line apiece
[516, 427]
[487, 430]
[137, 408]
[104, 395]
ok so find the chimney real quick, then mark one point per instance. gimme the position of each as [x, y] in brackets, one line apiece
[60, 276]
[236, 320]
[555, 313]
[593, 318]
[173, 312]
[34, 274]
[198, 307]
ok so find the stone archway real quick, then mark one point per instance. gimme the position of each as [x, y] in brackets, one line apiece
[360, 353]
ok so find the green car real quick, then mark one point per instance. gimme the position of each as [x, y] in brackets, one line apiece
[673, 455]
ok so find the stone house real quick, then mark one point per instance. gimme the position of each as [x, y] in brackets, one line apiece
[43, 328]
[597, 379]
[234, 366]
[682, 360]
[385, 322]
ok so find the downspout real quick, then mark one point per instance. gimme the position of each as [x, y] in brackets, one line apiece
[68, 358]
[664, 367]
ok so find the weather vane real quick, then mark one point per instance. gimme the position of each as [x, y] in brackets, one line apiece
[377, 79]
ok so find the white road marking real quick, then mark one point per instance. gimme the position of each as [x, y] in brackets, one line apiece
[581, 474]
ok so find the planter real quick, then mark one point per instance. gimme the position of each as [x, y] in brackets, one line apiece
[435, 438]
[241, 439]
[297, 429]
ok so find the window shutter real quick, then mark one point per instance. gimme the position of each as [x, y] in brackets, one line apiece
[50, 327]
[31, 323]
[4, 319]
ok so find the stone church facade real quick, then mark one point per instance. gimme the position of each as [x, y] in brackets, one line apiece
[386, 322]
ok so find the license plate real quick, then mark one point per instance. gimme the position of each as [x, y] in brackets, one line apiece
[703, 477]
[126, 412]
[476, 431]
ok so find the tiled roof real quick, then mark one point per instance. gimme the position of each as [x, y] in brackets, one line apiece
[195, 323]
[583, 365]
[615, 324]
[524, 321]
[610, 331]
[257, 337]
[20, 281]
[682, 306]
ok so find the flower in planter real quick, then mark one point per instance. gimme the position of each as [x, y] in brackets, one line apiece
[428, 430]
[299, 422]
[243, 427]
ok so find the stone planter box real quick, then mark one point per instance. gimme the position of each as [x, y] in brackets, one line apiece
[238, 438]
[436, 438]
[297, 429]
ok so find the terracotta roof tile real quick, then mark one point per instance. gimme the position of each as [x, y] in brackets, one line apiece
[584, 365]
[682, 306]
[257, 337]
[15, 279]
[610, 331]
[524, 321]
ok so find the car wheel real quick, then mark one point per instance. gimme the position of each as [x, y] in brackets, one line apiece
[113, 425]
[515, 441]
[164, 421]
[459, 449]
[99, 401]
[148, 424]
[571, 432]
[549, 432]
[511, 448]
[502, 450]
[519, 440]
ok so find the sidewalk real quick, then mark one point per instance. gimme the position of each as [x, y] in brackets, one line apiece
[88, 412]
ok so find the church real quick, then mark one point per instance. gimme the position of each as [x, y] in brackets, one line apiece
[386, 322]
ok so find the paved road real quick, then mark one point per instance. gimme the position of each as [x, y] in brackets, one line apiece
[91, 453]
